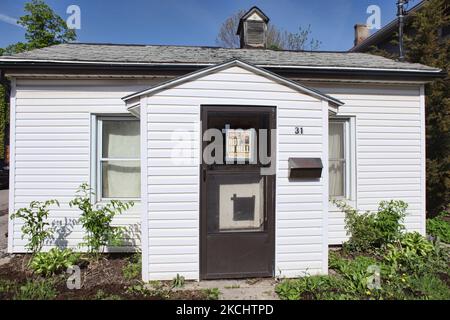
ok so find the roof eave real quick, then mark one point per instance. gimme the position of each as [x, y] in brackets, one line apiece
[7, 64]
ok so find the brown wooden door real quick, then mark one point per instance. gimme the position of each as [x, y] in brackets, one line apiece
[237, 201]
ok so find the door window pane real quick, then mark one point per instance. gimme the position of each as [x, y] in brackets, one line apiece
[235, 202]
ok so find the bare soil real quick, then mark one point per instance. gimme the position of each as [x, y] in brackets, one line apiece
[104, 275]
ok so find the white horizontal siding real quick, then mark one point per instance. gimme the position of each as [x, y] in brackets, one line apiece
[389, 149]
[173, 191]
[52, 150]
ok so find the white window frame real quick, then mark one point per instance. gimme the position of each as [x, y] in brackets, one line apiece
[350, 157]
[97, 155]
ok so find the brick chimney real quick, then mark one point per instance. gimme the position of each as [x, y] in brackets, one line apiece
[361, 33]
[252, 29]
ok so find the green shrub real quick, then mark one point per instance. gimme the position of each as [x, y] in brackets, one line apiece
[35, 226]
[97, 222]
[133, 269]
[439, 227]
[369, 231]
[36, 290]
[389, 221]
[54, 261]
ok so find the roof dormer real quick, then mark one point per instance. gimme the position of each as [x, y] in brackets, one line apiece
[252, 29]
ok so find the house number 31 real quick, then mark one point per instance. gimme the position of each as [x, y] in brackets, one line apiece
[298, 130]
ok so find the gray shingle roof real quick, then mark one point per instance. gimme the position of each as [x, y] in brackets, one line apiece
[151, 54]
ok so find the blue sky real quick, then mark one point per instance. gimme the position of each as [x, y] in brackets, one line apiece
[196, 22]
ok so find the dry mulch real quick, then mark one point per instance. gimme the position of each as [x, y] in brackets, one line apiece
[106, 275]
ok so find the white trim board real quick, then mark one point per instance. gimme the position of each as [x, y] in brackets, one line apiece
[144, 191]
[12, 164]
[238, 63]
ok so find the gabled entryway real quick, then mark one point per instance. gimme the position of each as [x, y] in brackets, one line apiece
[207, 220]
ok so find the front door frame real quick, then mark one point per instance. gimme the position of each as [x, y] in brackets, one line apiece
[203, 201]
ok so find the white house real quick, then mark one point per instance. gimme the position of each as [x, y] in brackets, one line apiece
[136, 121]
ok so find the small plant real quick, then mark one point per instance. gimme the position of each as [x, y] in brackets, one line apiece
[178, 281]
[6, 286]
[36, 227]
[438, 227]
[211, 293]
[233, 286]
[102, 295]
[98, 221]
[313, 288]
[356, 271]
[54, 261]
[408, 254]
[139, 290]
[133, 269]
[152, 289]
[36, 290]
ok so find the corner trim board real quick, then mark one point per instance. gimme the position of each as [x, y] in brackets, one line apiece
[423, 159]
[325, 106]
[144, 191]
[12, 161]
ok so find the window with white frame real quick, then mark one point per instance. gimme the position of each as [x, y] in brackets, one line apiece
[339, 158]
[118, 158]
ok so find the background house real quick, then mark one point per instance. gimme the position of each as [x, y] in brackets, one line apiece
[427, 41]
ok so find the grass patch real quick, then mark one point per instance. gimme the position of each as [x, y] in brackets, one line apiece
[37, 290]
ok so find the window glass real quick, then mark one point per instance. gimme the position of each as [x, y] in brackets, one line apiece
[119, 163]
[337, 161]
[121, 179]
[120, 139]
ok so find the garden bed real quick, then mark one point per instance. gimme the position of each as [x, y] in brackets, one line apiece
[381, 260]
[104, 279]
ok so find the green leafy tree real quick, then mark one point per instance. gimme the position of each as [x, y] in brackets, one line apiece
[43, 28]
[424, 43]
[427, 46]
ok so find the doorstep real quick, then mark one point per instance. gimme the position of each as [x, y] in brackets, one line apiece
[241, 289]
